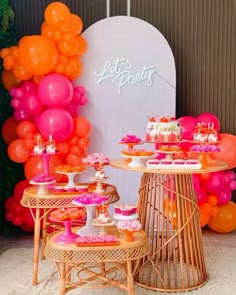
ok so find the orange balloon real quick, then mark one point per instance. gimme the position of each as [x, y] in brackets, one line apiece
[204, 219]
[82, 45]
[37, 54]
[8, 62]
[225, 220]
[9, 80]
[21, 73]
[17, 151]
[74, 160]
[205, 208]
[56, 13]
[227, 151]
[9, 130]
[212, 200]
[14, 51]
[4, 52]
[63, 147]
[35, 165]
[84, 142]
[25, 127]
[82, 126]
[74, 68]
[76, 23]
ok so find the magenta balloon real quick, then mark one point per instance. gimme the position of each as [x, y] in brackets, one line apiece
[224, 196]
[16, 103]
[21, 115]
[55, 91]
[232, 185]
[31, 104]
[187, 125]
[28, 86]
[228, 176]
[201, 197]
[56, 122]
[215, 183]
[209, 118]
[196, 183]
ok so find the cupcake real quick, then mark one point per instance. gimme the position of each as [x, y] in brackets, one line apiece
[179, 162]
[126, 211]
[117, 208]
[82, 188]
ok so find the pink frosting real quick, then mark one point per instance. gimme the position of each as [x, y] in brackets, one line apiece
[130, 138]
[96, 239]
[96, 158]
[90, 199]
[42, 177]
[205, 148]
[129, 225]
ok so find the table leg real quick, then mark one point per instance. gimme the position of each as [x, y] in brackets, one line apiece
[36, 246]
[130, 279]
[44, 231]
[62, 290]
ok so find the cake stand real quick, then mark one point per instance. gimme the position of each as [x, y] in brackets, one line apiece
[136, 161]
[99, 189]
[169, 154]
[129, 234]
[89, 229]
[67, 237]
[130, 145]
[71, 178]
[46, 158]
[103, 226]
[42, 186]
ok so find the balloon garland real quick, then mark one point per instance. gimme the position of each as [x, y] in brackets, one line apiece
[214, 190]
[39, 74]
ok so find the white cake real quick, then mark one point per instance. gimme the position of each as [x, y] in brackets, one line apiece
[163, 129]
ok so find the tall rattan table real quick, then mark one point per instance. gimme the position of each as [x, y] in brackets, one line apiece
[47, 202]
[169, 215]
[98, 266]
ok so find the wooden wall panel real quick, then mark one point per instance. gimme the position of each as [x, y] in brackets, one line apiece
[201, 33]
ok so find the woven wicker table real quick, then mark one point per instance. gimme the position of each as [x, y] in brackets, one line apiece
[98, 266]
[48, 202]
[170, 216]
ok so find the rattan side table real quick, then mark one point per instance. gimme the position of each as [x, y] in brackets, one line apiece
[109, 266]
[176, 262]
[48, 202]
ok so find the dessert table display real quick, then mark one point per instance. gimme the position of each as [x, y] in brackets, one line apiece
[169, 215]
[54, 198]
[94, 262]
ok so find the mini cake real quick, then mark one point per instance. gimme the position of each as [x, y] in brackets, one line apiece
[132, 225]
[68, 214]
[165, 129]
[96, 159]
[82, 188]
[90, 199]
[205, 133]
[42, 177]
[70, 168]
[103, 215]
[100, 174]
[130, 138]
[39, 148]
[50, 146]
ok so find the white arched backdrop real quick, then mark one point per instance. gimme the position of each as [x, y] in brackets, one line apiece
[129, 75]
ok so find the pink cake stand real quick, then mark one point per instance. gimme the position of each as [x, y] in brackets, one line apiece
[67, 237]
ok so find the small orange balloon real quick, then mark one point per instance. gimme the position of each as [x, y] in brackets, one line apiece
[205, 208]
[17, 151]
[212, 200]
[204, 219]
[82, 126]
[9, 80]
[56, 13]
[21, 73]
[26, 127]
[9, 130]
[225, 220]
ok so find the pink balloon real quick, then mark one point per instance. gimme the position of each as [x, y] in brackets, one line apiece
[224, 196]
[31, 104]
[28, 86]
[215, 183]
[56, 122]
[228, 176]
[55, 91]
[187, 125]
[16, 103]
[21, 115]
[209, 118]
[201, 197]
[232, 185]
[196, 182]
[19, 93]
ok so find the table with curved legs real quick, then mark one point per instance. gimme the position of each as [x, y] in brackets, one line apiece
[169, 215]
[46, 202]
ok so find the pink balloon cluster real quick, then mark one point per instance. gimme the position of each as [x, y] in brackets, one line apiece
[51, 104]
[213, 190]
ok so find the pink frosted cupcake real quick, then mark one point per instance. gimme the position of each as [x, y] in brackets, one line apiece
[82, 188]
[134, 209]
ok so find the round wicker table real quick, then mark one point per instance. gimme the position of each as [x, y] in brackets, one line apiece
[46, 202]
[98, 266]
[169, 215]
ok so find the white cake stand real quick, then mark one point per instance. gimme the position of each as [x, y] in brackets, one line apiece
[42, 186]
[99, 189]
[137, 161]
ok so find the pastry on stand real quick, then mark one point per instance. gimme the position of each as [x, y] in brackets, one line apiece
[103, 219]
[67, 216]
[89, 201]
[128, 227]
[42, 181]
[131, 140]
